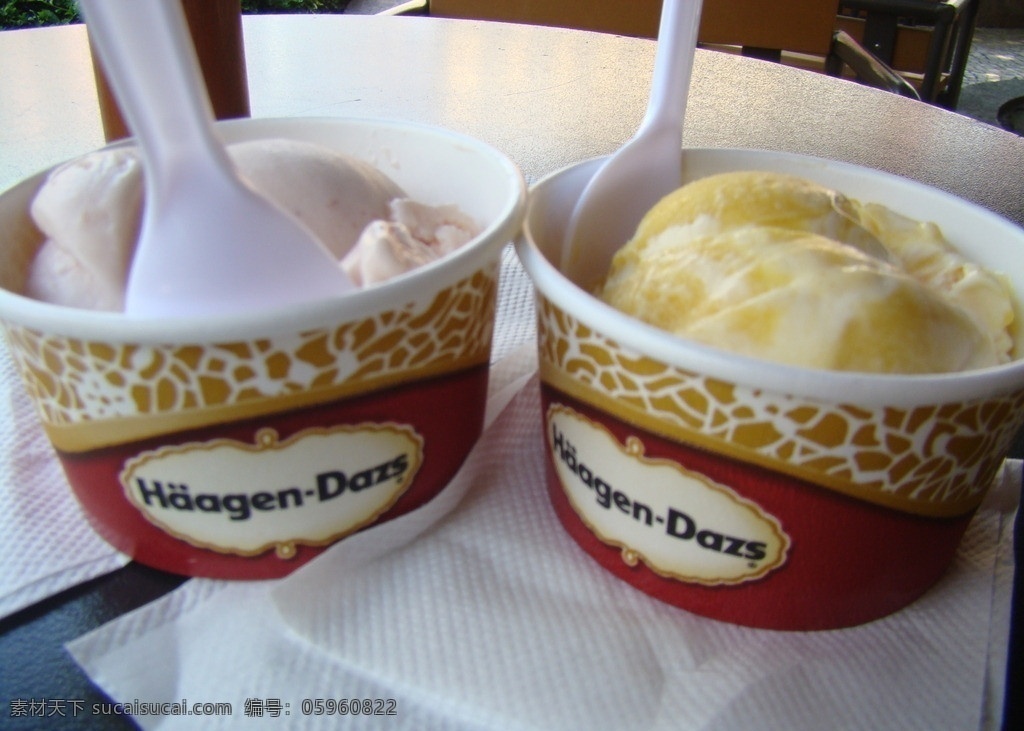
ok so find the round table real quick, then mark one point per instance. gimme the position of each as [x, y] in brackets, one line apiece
[547, 97]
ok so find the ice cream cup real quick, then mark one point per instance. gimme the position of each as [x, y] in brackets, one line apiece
[755, 493]
[242, 446]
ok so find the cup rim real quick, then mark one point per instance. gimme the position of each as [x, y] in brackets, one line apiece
[867, 389]
[109, 326]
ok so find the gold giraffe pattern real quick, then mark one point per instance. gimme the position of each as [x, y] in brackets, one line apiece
[930, 460]
[76, 383]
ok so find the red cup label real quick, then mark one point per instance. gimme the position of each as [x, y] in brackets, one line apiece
[313, 488]
[680, 523]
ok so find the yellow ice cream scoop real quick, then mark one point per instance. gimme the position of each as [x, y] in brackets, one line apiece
[780, 268]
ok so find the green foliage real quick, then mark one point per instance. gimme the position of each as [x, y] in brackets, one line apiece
[294, 6]
[35, 13]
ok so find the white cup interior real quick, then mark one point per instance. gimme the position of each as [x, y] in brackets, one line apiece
[979, 234]
[431, 164]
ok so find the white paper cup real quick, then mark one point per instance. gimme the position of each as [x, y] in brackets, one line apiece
[241, 446]
[757, 493]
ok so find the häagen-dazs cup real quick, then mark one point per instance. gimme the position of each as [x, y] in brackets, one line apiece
[756, 493]
[241, 446]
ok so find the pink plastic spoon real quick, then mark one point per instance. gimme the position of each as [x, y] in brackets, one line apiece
[208, 243]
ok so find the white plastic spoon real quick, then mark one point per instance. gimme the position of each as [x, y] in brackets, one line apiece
[208, 243]
[647, 167]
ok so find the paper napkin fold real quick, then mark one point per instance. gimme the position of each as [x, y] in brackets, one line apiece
[46, 545]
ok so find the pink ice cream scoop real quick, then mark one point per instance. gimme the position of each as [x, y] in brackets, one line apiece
[89, 210]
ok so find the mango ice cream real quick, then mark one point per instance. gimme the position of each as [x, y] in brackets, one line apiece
[777, 267]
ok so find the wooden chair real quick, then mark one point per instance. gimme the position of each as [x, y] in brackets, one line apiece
[927, 41]
[624, 17]
[769, 28]
[798, 32]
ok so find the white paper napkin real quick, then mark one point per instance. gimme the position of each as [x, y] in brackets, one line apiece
[490, 617]
[46, 545]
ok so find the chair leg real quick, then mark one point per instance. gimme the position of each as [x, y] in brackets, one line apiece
[950, 96]
[880, 34]
[938, 52]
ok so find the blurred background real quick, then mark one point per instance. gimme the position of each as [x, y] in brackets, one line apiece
[993, 79]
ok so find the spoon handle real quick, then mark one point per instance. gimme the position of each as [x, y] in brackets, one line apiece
[147, 54]
[673, 64]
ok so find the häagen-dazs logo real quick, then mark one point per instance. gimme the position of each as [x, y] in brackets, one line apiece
[312, 488]
[680, 523]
